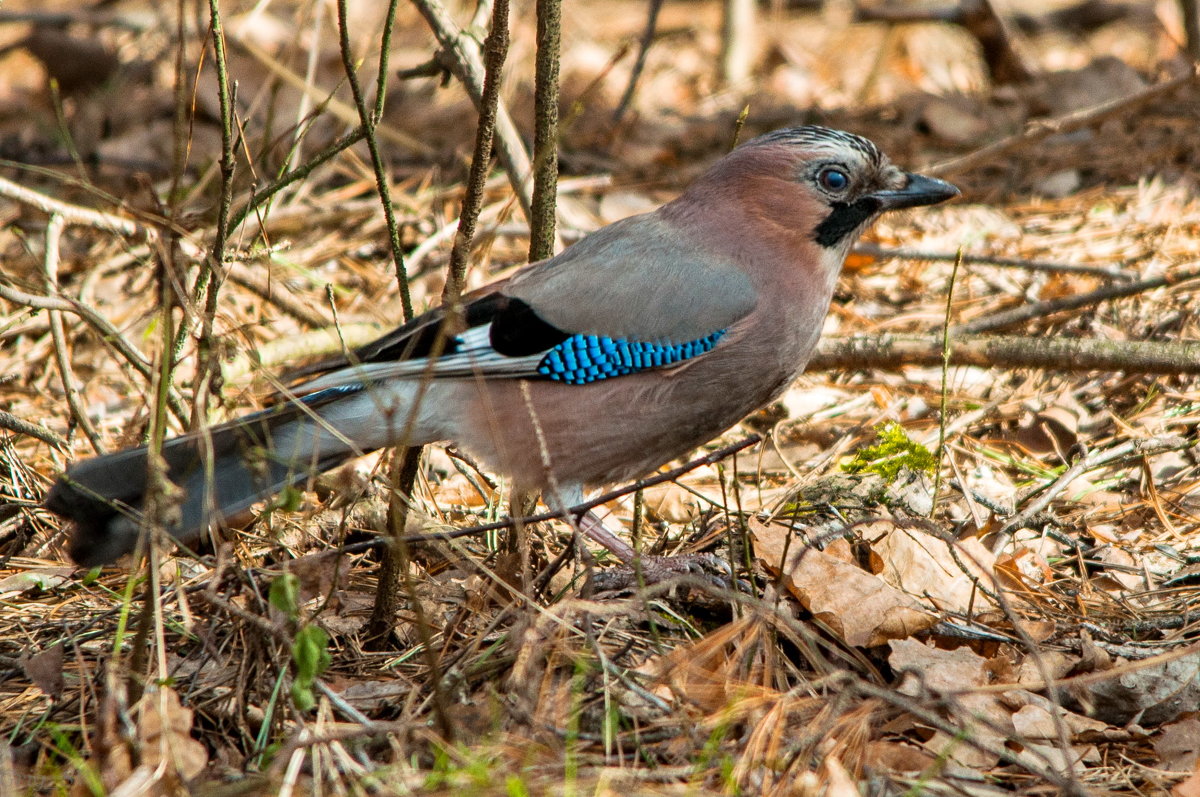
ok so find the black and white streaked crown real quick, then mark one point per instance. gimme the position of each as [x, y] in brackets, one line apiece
[817, 136]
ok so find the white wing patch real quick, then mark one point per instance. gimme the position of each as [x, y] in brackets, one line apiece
[474, 357]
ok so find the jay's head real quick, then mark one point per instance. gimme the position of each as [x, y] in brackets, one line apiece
[820, 185]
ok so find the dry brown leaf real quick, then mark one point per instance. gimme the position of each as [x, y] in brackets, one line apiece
[165, 729]
[1057, 664]
[458, 490]
[1018, 572]
[948, 672]
[889, 756]
[1037, 630]
[856, 605]
[319, 574]
[1049, 434]
[841, 550]
[1059, 760]
[1035, 722]
[924, 566]
[670, 502]
[1151, 692]
[931, 668]
[838, 782]
[1093, 658]
[962, 758]
[40, 578]
[1178, 746]
[1079, 727]
[1190, 787]
[45, 669]
[1124, 575]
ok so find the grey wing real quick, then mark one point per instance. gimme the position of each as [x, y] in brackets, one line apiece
[637, 279]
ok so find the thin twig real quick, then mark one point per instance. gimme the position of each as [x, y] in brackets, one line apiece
[1029, 312]
[369, 118]
[640, 63]
[1088, 462]
[394, 566]
[212, 269]
[107, 331]
[299, 173]
[1041, 129]
[944, 398]
[462, 55]
[161, 496]
[495, 50]
[20, 426]
[385, 52]
[71, 214]
[336, 108]
[278, 295]
[50, 265]
[1111, 272]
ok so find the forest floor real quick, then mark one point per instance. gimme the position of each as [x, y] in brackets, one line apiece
[968, 578]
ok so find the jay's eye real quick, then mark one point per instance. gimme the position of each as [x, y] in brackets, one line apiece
[833, 179]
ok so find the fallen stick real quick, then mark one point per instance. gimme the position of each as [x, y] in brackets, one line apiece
[889, 352]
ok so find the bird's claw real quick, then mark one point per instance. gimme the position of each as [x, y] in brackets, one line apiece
[648, 570]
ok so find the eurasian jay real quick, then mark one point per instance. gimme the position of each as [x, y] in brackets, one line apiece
[640, 342]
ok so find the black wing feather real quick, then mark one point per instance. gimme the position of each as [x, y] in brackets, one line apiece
[517, 331]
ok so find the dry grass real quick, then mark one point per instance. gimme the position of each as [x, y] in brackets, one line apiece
[830, 671]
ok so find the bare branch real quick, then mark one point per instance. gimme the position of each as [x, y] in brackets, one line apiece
[545, 134]
[466, 62]
[889, 352]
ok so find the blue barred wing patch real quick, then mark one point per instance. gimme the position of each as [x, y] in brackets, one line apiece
[588, 358]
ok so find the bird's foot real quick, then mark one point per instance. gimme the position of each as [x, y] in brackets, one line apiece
[647, 570]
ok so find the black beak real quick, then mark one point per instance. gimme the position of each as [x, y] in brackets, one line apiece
[921, 190]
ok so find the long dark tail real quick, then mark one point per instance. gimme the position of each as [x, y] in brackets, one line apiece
[251, 459]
